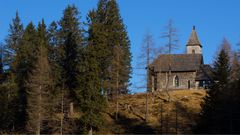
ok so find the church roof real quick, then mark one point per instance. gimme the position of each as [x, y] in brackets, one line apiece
[193, 40]
[205, 73]
[177, 62]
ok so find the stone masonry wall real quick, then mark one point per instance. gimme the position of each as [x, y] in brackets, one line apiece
[184, 77]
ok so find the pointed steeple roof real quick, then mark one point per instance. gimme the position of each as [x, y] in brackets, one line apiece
[193, 40]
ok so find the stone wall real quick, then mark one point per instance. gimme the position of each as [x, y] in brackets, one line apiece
[184, 77]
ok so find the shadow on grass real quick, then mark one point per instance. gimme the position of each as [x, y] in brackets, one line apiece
[132, 126]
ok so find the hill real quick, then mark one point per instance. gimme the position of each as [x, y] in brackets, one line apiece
[178, 115]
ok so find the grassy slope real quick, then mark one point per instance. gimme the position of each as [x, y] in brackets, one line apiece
[132, 113]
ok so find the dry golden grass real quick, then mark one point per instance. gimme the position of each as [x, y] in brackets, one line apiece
[132, 112]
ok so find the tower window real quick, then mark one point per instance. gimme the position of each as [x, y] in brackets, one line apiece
[193, 51]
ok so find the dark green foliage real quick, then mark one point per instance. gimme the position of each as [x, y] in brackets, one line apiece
[50, 69]
[117, 36]
[54, 53]
[107, 31]
[8, 97]
[8, 88]
[235, 68]
[7, 100]
[39, 88]
[222, 68]
[25, 60]
[90, 97]
[13, 41]
[97, 36]
[71, 44]
[220, 109]
[1, 63]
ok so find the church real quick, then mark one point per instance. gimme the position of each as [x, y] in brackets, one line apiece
[181, 71]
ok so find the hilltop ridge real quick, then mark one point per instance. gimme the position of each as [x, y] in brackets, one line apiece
[180, 112]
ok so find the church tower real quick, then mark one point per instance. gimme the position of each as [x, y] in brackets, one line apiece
[194, 46]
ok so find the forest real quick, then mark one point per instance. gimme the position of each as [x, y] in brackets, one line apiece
[61, 78]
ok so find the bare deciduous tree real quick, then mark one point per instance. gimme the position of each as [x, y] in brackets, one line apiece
[115, 75]
[171, 44]
[147, 55]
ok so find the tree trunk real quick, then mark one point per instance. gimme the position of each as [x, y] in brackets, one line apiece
[62, 114]
[176, 120]
[38, 131]
[90, 131]
[146, 113]
[71, 109]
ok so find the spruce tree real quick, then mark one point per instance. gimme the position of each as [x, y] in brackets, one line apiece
[25, 60]
[70, 35]
[13, 41]
[54, 53]
[107, 31]
[117, 36]
[97, 35]
[70, 51]
[214, 116]
[90, 96]
[8, 98]
[39, 88]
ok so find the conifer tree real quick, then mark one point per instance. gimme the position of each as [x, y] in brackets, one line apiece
[54, 52]
[25, 60]
[97, 35]
[13, 41]
[70, 40]
[215, 105]
[70, 35]
[235, 68]
[107, 31]
[39, 90]
[117, 36]
[90, 95]
[8, 98]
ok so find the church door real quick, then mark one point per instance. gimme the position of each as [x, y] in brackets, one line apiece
[188, 84]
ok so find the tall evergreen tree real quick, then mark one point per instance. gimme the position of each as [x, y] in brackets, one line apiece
[90, 95]
[8, 98]
[70, 41]
[117, 36]
[107, 31]
[97, 35]
[39, 90]
[214, 117]
[71, 44]
[25, 60]
[54, 52]
[8, 85]
[13, 41]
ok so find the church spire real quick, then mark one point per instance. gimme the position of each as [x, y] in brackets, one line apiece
[193, 40]
[193, 45]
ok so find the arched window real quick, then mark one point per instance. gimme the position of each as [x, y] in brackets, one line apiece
[176, 81]
[193, 51]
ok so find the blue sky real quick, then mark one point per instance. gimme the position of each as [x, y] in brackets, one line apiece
[214, 20]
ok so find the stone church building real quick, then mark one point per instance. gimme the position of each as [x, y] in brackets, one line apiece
[181, 71]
